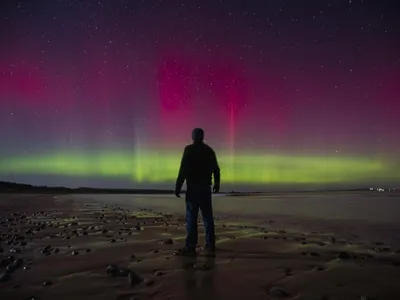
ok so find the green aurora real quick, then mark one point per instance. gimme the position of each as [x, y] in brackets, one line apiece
[157, 167]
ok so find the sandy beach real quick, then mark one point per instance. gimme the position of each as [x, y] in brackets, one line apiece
[289, 246]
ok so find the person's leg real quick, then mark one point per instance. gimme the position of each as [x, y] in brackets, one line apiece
[192, 212]
[208, 219]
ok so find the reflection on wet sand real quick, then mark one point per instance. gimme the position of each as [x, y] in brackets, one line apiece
[198, 277]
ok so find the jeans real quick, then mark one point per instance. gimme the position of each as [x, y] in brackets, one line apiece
[199, 197]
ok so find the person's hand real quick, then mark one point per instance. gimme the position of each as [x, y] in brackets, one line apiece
[177, 193]
[216, 188]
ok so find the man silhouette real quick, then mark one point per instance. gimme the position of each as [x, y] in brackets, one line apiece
[199, 163]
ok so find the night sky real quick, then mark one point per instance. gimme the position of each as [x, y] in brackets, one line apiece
[106, 93]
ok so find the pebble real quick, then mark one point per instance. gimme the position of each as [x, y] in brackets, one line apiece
[168, 242]
[148, 281]
[112, 270]
[343, 255]
[46, 250]
[5, 276]
[6, 261]
[203, 267]
[319, 268]
[115, 271]
[382, 249]
[47, 283]
[134, 279]
[277, 292]
[159, 273]
[14, 265]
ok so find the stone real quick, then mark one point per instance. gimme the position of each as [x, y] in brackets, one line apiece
[5, 276]
[278, 292]
[364, 297]
[112, 270]
[288, 272]
[47, 283]
[134, 279]
[16, 264]
[148, 281]
[168, 242]
[115, 271]
[159, 273]
[343, 255]
[46, 249]
[6, 261]
[319, 268]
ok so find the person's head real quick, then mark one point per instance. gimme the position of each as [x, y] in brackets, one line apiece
[197, 135]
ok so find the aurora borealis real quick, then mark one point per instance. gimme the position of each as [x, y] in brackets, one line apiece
[106, 93]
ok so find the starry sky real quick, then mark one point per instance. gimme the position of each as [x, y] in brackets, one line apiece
[106, 93]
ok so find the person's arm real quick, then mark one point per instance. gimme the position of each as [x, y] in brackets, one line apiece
[182, 171]
[216, 172]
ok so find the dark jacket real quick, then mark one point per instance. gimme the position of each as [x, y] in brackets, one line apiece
[198, 164]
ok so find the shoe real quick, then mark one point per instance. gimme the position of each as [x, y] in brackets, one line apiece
[185, 252]
[209, 250]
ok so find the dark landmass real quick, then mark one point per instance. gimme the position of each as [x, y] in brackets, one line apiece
[12, 187]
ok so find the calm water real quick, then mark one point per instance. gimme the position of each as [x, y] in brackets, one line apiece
[371, 207]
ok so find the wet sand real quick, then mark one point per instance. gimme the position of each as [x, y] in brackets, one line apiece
[297, 246]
